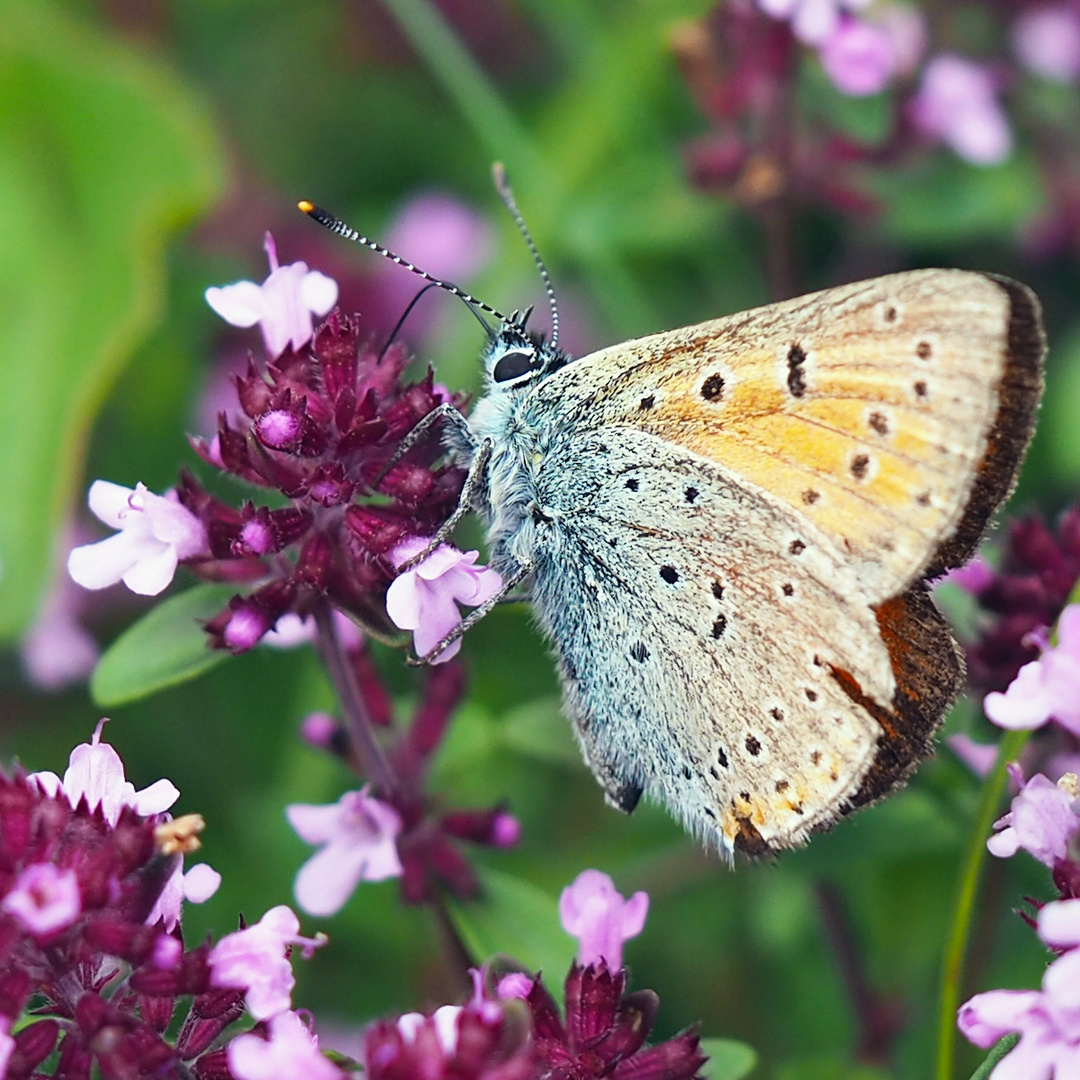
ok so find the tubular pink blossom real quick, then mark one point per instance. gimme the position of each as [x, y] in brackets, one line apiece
[290, 1053]
[425, 599]
[358, 834]
[593, 911]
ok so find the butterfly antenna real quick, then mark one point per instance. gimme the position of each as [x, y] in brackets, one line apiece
[502, 186]
[336, 225]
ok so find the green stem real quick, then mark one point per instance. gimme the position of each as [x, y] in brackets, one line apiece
[952, 968]
[467, 85]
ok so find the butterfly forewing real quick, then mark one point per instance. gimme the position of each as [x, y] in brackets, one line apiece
[867, 408]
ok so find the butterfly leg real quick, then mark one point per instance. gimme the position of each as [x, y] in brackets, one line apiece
[445, 411]
[477, 473]
[474, 616]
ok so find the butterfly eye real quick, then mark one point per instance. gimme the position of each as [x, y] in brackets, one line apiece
[514, 364]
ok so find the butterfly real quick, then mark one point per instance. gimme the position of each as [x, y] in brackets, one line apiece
[727, 530]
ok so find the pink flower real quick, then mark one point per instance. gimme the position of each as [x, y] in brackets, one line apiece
[1042, 820]
[425, 599]
[7, 1044]
[156, 532]
[254, 960]
[957, 103]
[196, 886]
[96, 773]
[812, 20]
[1048, 1020]
[973, 577]
[859, 58]
[444, 1021]
[45, 898]
[597, 915]
[282, 305]
[1047, 41]
[358, 834]
[291, 1053]
[978, 757]
[1047, 688]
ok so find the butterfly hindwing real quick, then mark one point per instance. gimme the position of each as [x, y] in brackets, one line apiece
[686, 611]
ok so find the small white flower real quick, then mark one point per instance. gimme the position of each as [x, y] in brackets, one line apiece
[282, 305]
[156, 532]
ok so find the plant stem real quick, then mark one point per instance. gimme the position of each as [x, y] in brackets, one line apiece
[467, 84]
[361, 731]
[952, 968]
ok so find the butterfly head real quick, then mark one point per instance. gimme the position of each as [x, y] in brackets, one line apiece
[515, 357]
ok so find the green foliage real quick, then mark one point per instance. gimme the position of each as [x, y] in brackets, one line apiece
[165, 647]
[104, 154]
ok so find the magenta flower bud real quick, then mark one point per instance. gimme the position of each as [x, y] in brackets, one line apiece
[514, 985]
[494, 827]
[319, 729]
[313, 564]
[34, 1043]
[246, 626]
[257, 537]
[279, 429]
[329, 487]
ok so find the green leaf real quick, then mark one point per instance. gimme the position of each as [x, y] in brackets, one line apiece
[944, 200]
[1000, 1049]
[514, 918]
[103, 155]
[165, 647]
[539, 730]
[728, 1059]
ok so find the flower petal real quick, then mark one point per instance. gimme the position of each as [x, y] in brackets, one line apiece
[240, 304]
[153, 572]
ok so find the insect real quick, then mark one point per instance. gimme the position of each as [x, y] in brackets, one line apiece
[727, 531]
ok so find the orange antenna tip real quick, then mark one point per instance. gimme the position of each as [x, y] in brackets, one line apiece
[306, 206]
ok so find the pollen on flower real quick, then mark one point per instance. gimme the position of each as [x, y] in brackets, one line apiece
[181, 835]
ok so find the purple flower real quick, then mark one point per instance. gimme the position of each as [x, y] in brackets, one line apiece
[957, 103]
[1048, 1020]
[605, 1031]
[156, 533]
[594, 912]
[1042, 820]
[45, 898]
[858, 57]
[480, 1040]
[1047, 688]
[1047, 41]
[282, 305]
[812, 20]
[96, 773]
[254, 960]
[978, 757]
[7, 1044]
[358, 834]
[425, 599]
[290, 1053]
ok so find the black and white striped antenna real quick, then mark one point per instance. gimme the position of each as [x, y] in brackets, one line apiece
[502, 186]
[336, 225]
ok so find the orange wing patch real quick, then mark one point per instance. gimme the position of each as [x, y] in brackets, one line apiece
[874, 431]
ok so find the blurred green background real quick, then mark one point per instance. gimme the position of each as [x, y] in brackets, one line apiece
[146, 146]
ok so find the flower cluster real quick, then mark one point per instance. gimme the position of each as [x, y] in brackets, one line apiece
[1044, 820]
[323, 431]
[93, 971]
[1040, 567]
[397, 830]
[511, 1029]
